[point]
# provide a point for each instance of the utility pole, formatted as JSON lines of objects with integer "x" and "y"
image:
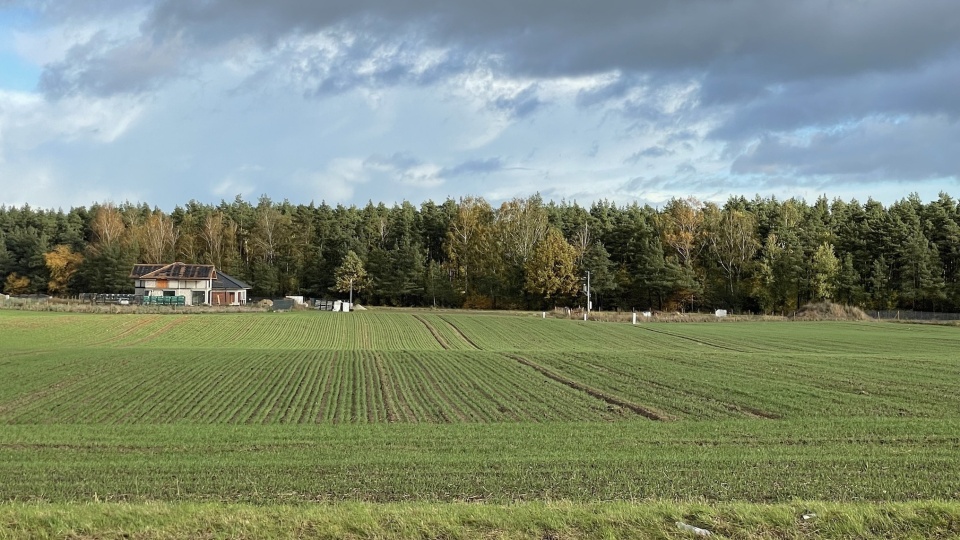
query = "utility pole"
{"x": 351, "y": 294}
{"x": 589, "y": 303}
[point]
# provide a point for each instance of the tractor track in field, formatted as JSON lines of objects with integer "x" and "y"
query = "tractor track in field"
{"x": 459, "y": 332}
{"x": 603, "y": 396}
{"x": 124, "y": 333}
{"x": 433, "y": 331}
{"x": 694, "y": 340}
{"x": 744, "y": 410}
{"x": 39, "y": 394}
{"x": 158, "y": 332}
{"x": 382, "y": 382}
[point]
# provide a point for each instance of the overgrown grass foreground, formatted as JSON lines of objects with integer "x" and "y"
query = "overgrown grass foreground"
{"x": 798, "y": 519}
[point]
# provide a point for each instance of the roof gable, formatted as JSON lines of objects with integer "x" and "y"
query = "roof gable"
{"x": 139, "y": 270}
{"x": 177, "y": 270}
{"x": 227, "y": 282}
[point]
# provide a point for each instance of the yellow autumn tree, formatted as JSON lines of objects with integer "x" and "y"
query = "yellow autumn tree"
{"x": 62, "y": 263}
{"x": 551, "y": 270}
{"x": 16, "y": 284}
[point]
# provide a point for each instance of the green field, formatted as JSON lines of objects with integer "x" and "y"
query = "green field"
{"x": 444, "y": 409}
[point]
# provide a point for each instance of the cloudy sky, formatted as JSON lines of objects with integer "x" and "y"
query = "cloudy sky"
{"x": 165, "y": 101}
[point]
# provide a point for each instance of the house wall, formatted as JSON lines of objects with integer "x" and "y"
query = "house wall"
{"x": 180, "y": 287}
{"x": 230, "y": 297}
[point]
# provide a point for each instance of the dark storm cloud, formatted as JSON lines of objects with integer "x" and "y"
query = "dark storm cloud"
{"x": 868, "y": 87}
{"x": 57, "y": 11}
{"x": 927, "y": 91}
{"x": 909, "y": 150}
{"x": 802, "y": 38}
{"x": 741, "y": 46}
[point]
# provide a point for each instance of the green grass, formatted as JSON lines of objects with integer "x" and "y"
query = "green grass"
{"x": 168, "y": 413}
{"x": 657, "y": 520}
{"x": 309, "y": 368}
{"x": 839, "y": 460}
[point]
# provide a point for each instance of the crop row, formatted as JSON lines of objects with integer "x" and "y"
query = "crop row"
{"x": 31, "y": 331}
{"x": 299, "y": 387}
{"x": 757, "y": 385}
{"x": 308, "y": 330}
{"x": 253, "y": 387}
{"x": 837, "y": 459}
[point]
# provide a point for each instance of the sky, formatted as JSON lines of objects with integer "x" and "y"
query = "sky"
{"x": 167, "y": 101}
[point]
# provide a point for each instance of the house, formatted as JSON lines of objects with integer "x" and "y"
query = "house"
{"x": 228, "y": 291}
{"x": 196, "y": 283}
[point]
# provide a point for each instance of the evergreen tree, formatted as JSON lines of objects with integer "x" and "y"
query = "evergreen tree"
{"x": 5, "y": 259}
{"x": 351, "y": 274}
{"x": 603, "y": 280}
{"x": 850, "y": 291}
{"x": 881, "y": 296}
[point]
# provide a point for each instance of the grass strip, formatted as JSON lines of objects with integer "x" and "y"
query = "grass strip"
{"x": 647, "y": 519}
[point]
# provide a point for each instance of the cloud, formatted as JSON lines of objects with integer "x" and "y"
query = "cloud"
{"x": 614, "y": 86}
{"x": 751, "y": 41}
{"x": 649, "y": 152}
{"x": 101, "y": 67}
{"x": 242, "y": 181}
{"x": 473, "y": 167}
{"x": 397, "y": 161}
{"x": 541, "y": 38}
{"x": 337, "y": 182}
{"x": 405, "y": 169}
{"x": 375, "y": 99}
{"x": 27, "y": 121}
{"x": 913, "y": 149}
{"x": 686, "y": 169}
{"x": 928, "y": 90}
{"x": 782, "y": 66}
{"x": 520, "y": 104}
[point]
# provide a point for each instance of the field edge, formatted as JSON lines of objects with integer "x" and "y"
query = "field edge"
{"x": 648, "y": 519}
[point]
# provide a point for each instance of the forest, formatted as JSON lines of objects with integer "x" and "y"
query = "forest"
{"x": 749, "y": 256}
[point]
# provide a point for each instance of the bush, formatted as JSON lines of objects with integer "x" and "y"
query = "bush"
{"x": 828, "y": 311}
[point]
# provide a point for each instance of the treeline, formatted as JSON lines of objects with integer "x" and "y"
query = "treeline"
{"x": 760, "y": 255}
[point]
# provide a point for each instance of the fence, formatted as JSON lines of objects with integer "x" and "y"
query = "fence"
{"x": 99, "y": 298}
{"x": 909, "y": 315}
{"x": 164, "y": 300}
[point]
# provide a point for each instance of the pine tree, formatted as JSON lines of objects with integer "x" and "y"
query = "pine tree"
{"x": 351, "y": 274}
